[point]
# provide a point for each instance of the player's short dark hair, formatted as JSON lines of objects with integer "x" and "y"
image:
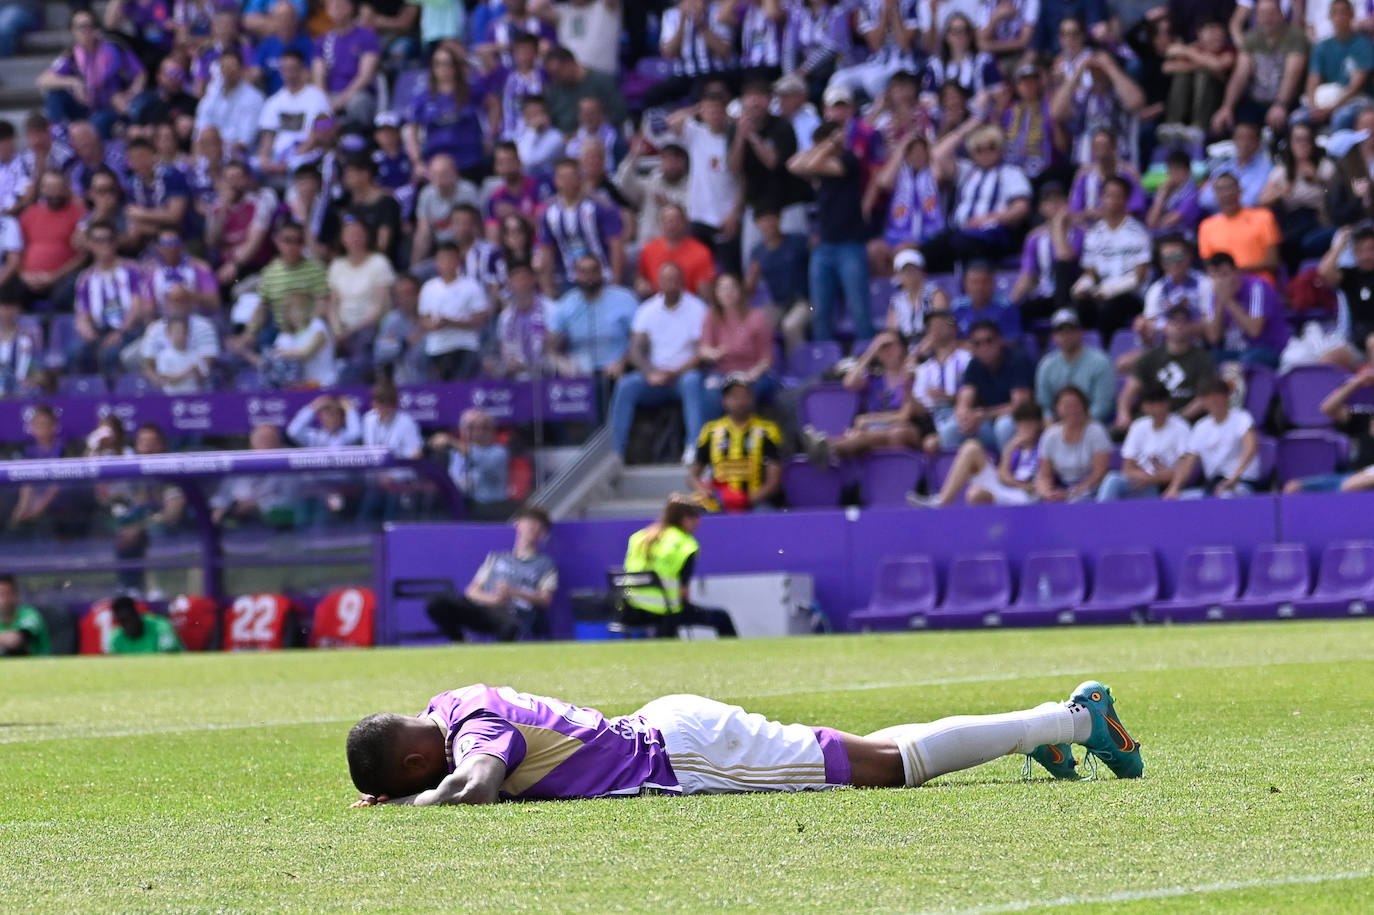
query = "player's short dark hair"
{"x": 370, "y": 747}
{"x": 1179, "y": 157}
{"x": 1221, "y": 260}
{"x": 1155, "y": 392}
{"x": 1027, "y": 412}
{"x": 535, "y": 513}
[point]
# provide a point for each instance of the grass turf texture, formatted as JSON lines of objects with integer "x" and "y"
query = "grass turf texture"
{"x": 218, "y": 781}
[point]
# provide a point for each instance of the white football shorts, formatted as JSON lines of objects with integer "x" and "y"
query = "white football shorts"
{"x": 716, "y": 748}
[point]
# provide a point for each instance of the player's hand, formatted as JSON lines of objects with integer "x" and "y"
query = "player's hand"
{"x": 369, "y": 800}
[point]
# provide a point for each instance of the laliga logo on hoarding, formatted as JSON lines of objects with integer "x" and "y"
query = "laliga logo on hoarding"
{"x": 125, "y": 411}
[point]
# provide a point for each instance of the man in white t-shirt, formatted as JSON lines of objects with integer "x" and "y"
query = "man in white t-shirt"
{"x": 1154, "y": 447}
{"x": 453, "y": 311}
{"x": 714, "y": 201}
{"x": 288, "y": 116}
{"x": 1116, "y": 257}
{"x": 663, "y": 351}
{"x": 202, "y": 336}
{"x": 1226, "y": 443}
{"x": 591, "y": 30}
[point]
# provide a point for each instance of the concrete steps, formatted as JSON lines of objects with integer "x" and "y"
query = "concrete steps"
{"x": 637, "y": 492}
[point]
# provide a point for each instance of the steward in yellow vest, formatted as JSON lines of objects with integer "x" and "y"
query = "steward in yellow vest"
{"x": 669, "y": 548}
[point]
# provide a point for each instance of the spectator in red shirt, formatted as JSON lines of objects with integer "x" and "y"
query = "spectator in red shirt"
{"x": 675, "y": 246}
{"x": 51, "y": 259}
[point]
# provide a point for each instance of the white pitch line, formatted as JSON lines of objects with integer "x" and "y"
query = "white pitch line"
{"x": 1167, "y": 892}
{"x": 82, "y": 732}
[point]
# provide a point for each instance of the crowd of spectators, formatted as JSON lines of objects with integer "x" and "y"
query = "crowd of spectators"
{"x": 289, "y": 194}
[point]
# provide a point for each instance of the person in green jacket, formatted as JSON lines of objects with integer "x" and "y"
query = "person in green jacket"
{"x": 23, "y": 630}
{"x": 139, "y": 633}
{"x": 669, "y": 548}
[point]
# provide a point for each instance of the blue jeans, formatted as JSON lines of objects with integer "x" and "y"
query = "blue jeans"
{"x": 15, "y": 22}
{"x": 1115, "y": 487}
{"x": 61, "y": 107}
{"x": 840, "y": 268}
{"x": 1323, "y": 482}
{"x": 634, "y": 389}
{"x": 993, "y": 434}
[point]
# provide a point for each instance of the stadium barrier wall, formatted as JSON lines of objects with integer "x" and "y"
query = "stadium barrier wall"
{"x": 236, "y": 413}
{"x": 840, "y": 550}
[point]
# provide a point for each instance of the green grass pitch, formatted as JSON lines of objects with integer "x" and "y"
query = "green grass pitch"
{"x": 217, "y": 782}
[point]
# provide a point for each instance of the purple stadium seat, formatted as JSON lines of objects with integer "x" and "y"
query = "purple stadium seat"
{"x": 1207, "y": 577}
{"x": 1268, "y": 457}
{"x": 82, "y": 386}
{"x": 1126, "y": 582}
{"x": 1052, "y": 585}
{"x": 811, "y": 359}
{"x": 1302, "y": 391}
{"x": 1261, "y": 383}
{"x": 61, "y": 334}
{"x": 829, "y": 407}
{"x": 134, "y": 385}
{"x": 1123, "y": 342}
{"x": 977, "y": 591}
{"x": 249, "y": 380}
{"x": 1345, "y": 583}
{"x": 1308, "y": 452}
{"x": 1278, "y": 576}
{"x": 887, "y": 476}
{"x": 904, "y": 591}
{"x": 807, "y": 486}
{"x": 407, "y": 87}
{"x": 880, "y": 290}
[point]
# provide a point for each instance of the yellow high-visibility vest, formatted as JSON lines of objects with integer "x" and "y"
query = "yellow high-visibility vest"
{"x": 670, "y": 553}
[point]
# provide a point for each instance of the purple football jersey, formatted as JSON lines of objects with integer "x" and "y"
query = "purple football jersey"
{"x": 552, "y": 749}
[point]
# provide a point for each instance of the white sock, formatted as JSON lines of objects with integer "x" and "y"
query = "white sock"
{"x": 965, "y": 741}
{"x": 1082, "y": 722}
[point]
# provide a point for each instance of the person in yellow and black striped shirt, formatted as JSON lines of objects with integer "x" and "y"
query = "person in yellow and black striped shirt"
{"x": 741, "y": 453}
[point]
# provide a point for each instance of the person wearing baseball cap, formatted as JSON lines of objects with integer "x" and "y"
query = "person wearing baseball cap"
{"x": 915, "y": 298}
{"x": 1028, "y": 123}
{"x": 738, "y": 463}
{"x": 1072, "y": 363}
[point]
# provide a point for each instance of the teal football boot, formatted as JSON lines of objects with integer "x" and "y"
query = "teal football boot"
{"x": 1056, "y": 758}
{"x": 1109, "y": 742}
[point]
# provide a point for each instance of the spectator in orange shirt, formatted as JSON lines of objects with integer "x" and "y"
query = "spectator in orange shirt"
{"x": 1249, "y": 234}
{"x": 675, "y": 246}
{"x": 51, "y": 259}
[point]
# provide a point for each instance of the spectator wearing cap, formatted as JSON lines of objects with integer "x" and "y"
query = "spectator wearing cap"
{"x": 95, "y": 79}
{"x": 279, "y": 23}
{"x": 444, "y": 117}
{"x": 791, "y": 104}
{"x": 1111, "y": 101}
{"x": 453, "y": 310}
{"x": 1072, "y": 362}
{"x": 698, "y": 37}
{"x": 1150, "y": 457}
{"x": 915, "y": 204}
{"x": 239, "y": 226}
{"x": 839, "y": 262}
{"x": 1175, "y": 208}
{"x": 1246, "y": 321}
{"x": 1027, "y": 122}
{"x": 112, "y": 305}
{"x": 737, "y": 459}
{"x": 891, "y": 29}
{"x": 981, "y": 301}
{"x": 998, "y": 380}
{"x": 991, "y": 198}
{"x": 570, "y": 82}
{"x": 676, "y": 246}
{"x": 667, "y": 364}
{"x": 1177, "y": 362}
{"x": 736, "y": 340}
{"x": 1116, "y": 259}
{"x": 760, "y": 144}
{"x": 574, "y": 224}
{"x": 817, "y": 39}
{"x": 666, "y": 183}
{"x": 346, "y": 61}
{"x": 1249, "y": 234}
{"x": 1180, "y": 284}
{"x": 232, "y": 105}
{"x": 1269, "y": 71}
{"x": 915, "y": 298}
{"x": 859, "y": 138}
{"x": 368, "y": 202}
{"x": 288, "y": 117}
{"x": 779, "y": 267}
{"x": 1049, "y": 258}
{"x": 715, "y": 203}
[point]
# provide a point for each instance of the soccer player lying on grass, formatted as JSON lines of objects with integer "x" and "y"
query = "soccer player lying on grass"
{"x": 481, "y": 744}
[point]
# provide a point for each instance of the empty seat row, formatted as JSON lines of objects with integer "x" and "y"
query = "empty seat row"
{"x": 1126, "y": 588}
